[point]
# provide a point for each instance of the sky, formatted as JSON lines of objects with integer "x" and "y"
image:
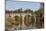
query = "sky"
{"x": 13, "y": 5}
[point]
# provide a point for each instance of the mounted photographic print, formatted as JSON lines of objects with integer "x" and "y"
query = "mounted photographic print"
{"x": 22, "y": 15}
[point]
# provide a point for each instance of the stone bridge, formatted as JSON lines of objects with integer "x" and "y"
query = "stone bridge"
{"x": 23, "y": 17}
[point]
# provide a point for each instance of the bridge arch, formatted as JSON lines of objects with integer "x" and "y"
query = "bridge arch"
{"x": 17, "y": 20}
{"x": 29, "y": 20}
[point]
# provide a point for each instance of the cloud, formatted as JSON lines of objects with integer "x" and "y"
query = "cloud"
{"x": 13, "y": 0}
{"x": 10, "y": 0}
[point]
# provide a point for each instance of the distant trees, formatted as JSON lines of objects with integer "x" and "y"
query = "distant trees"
{"x": 19, "y": 11}
{"x": 28, "y": 10}
{"x": 40, "y": 11}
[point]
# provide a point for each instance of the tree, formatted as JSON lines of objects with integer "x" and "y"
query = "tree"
{"x": 39, "y": 13}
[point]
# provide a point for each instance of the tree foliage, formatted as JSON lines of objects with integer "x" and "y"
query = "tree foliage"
{"x": 39, "y": 11}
